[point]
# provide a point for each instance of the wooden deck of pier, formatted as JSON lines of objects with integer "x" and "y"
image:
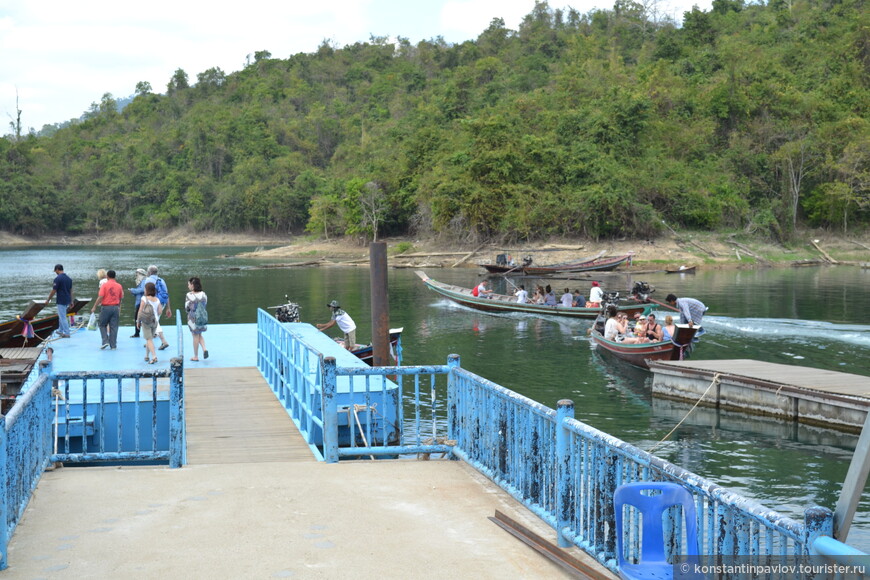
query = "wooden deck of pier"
{"x": 831, "y": 382}
{"x": 234, "y": 417}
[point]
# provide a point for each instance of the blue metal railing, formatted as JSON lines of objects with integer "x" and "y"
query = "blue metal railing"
{"x": 30, "y": 430}
{"x": 25, "y": 447}
{"x": 561, "y": 469}
{"x": 119, "y": 416}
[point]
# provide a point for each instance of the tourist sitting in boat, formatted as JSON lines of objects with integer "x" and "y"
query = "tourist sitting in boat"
{"x": 579, "y": 300}
{"x": 567, "y": 299}
{"x": 481, "y": 291}
{"x": 616, "y": 327}
{"x": 654, "y": 329}
{"x": 550, "y": 297}
{"x": 522, "y": 295}
{"x": 669, "y": 330}
{"x": 538, "y": 298}
{"x": 596, "y": 295}
{"x": 639, "y": 328}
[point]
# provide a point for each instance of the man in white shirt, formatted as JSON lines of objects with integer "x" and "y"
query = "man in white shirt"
{"x": 567, "y": 299}
{"x": 596, "y": 294}
{"x": 522, "y": 295}
{"x": 345, "y": 324}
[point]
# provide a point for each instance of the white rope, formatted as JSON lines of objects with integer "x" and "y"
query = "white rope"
{"x": 361, "y": 432}
{"x": 689, "y": 412}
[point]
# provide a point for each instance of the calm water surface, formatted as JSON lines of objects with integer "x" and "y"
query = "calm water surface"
{"x": 815, "y": 317}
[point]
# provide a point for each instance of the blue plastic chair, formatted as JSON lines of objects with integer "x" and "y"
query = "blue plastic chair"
{"x": 653, "y": 562}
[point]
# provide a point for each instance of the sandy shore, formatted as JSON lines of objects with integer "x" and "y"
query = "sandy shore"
{"x": 702, "y": 249}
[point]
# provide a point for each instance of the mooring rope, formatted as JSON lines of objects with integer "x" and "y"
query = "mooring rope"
{"x": 689, "y": 412}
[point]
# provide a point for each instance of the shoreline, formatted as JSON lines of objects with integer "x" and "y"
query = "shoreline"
{"x": 702, "y": 249}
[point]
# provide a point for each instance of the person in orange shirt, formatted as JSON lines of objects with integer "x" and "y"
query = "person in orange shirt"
{"x": 109, "y": 301}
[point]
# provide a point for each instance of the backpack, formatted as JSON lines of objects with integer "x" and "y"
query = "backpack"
{"x": 146, "y": 314}
{"x": 200, "y": 314}
{"x": 475, "y": 291}
{"x": 162, "y": 291}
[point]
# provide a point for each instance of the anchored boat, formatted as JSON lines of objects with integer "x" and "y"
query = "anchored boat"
{"x": 27, "y": 330}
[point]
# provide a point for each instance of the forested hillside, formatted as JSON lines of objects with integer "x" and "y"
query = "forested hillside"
{"x": 748, "y": 117}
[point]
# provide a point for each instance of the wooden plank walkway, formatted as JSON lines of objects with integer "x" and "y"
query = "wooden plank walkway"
{"x": 832, "y": 382}
{"x": 234, "y": 417}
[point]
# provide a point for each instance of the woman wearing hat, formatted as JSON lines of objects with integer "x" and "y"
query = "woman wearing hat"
{"x": 596, "y": 295}
{"x": 138, "y": 292}
{"x": 345, "y": 324}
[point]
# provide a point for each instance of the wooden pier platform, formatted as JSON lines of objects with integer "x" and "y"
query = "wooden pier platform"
{"x": 813, "y": 396}
{"x": 233, "y": 417}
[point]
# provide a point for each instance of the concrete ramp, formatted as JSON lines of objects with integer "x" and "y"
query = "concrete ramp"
{"x": 234, "y": 417}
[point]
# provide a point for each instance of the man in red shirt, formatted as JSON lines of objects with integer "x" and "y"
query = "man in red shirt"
{"x": 109, "y": 301}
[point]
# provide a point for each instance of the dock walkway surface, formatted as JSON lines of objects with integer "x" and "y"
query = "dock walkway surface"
{"x": 254, "y": 503}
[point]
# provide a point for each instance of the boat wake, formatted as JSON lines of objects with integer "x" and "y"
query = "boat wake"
{"x": 802, "y": 331}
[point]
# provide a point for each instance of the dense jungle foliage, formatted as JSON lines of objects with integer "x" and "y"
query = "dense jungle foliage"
{"x": 605, "y": 124}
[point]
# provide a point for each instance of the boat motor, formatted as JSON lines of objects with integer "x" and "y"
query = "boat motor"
{"x": 288, "y": 312}
{"x": 641, "y": 291}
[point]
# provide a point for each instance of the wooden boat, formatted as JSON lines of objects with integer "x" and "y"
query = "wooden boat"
{"x": 639, "y": 355}
{"x": 504, "y": 303}
{"x": 502, "y": 269}
{"x": 13, "y": 333}
{"x": 365, "y": 352}
{"x": 604, "y": 264}
{"x": 681, "y": 270}
{"x": 503, "y": 265}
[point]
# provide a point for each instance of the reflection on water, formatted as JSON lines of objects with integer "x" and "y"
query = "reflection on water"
{"x": 808, "y": 316}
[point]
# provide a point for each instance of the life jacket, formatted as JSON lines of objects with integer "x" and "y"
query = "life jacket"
{"x": 475, "y": 291}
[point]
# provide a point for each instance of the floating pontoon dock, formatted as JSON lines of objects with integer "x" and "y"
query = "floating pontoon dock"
{"x": 813, "y": 396}
{"x": 252, "y": 502}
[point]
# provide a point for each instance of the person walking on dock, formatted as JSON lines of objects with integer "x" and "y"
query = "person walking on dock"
{"x": 62, "y": 286}
{"x": 138, "y": 292}
{"x": 345, "y": 324}
{"x": 109, "y": 302}
{"x": 197, "y": 316}
{"x": 691, "y": 310}
{"x": 147, "y": 316}
{"x": 163, "y": 296}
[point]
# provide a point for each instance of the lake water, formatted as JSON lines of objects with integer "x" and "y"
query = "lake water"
{"x": 815, "y": 317}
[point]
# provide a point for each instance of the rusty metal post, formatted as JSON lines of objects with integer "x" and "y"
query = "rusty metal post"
{"x": 380, "y": 305}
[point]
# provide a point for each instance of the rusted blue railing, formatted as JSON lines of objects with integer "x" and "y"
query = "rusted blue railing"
{"x": 128, "y": 415}
{"x": 25, "y": 448}
{"x": 561, "y": 469}
{"x": 566, "y": 472}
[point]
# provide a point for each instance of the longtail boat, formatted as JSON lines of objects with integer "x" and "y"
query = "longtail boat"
{"x": 27, "y": 330}
{"x": 604, "y": 264}
{"x": 640, "y": 354}
{"x": 505, "y": 303}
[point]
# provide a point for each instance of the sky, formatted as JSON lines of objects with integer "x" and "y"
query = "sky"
{"x": 57, "y": 57}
